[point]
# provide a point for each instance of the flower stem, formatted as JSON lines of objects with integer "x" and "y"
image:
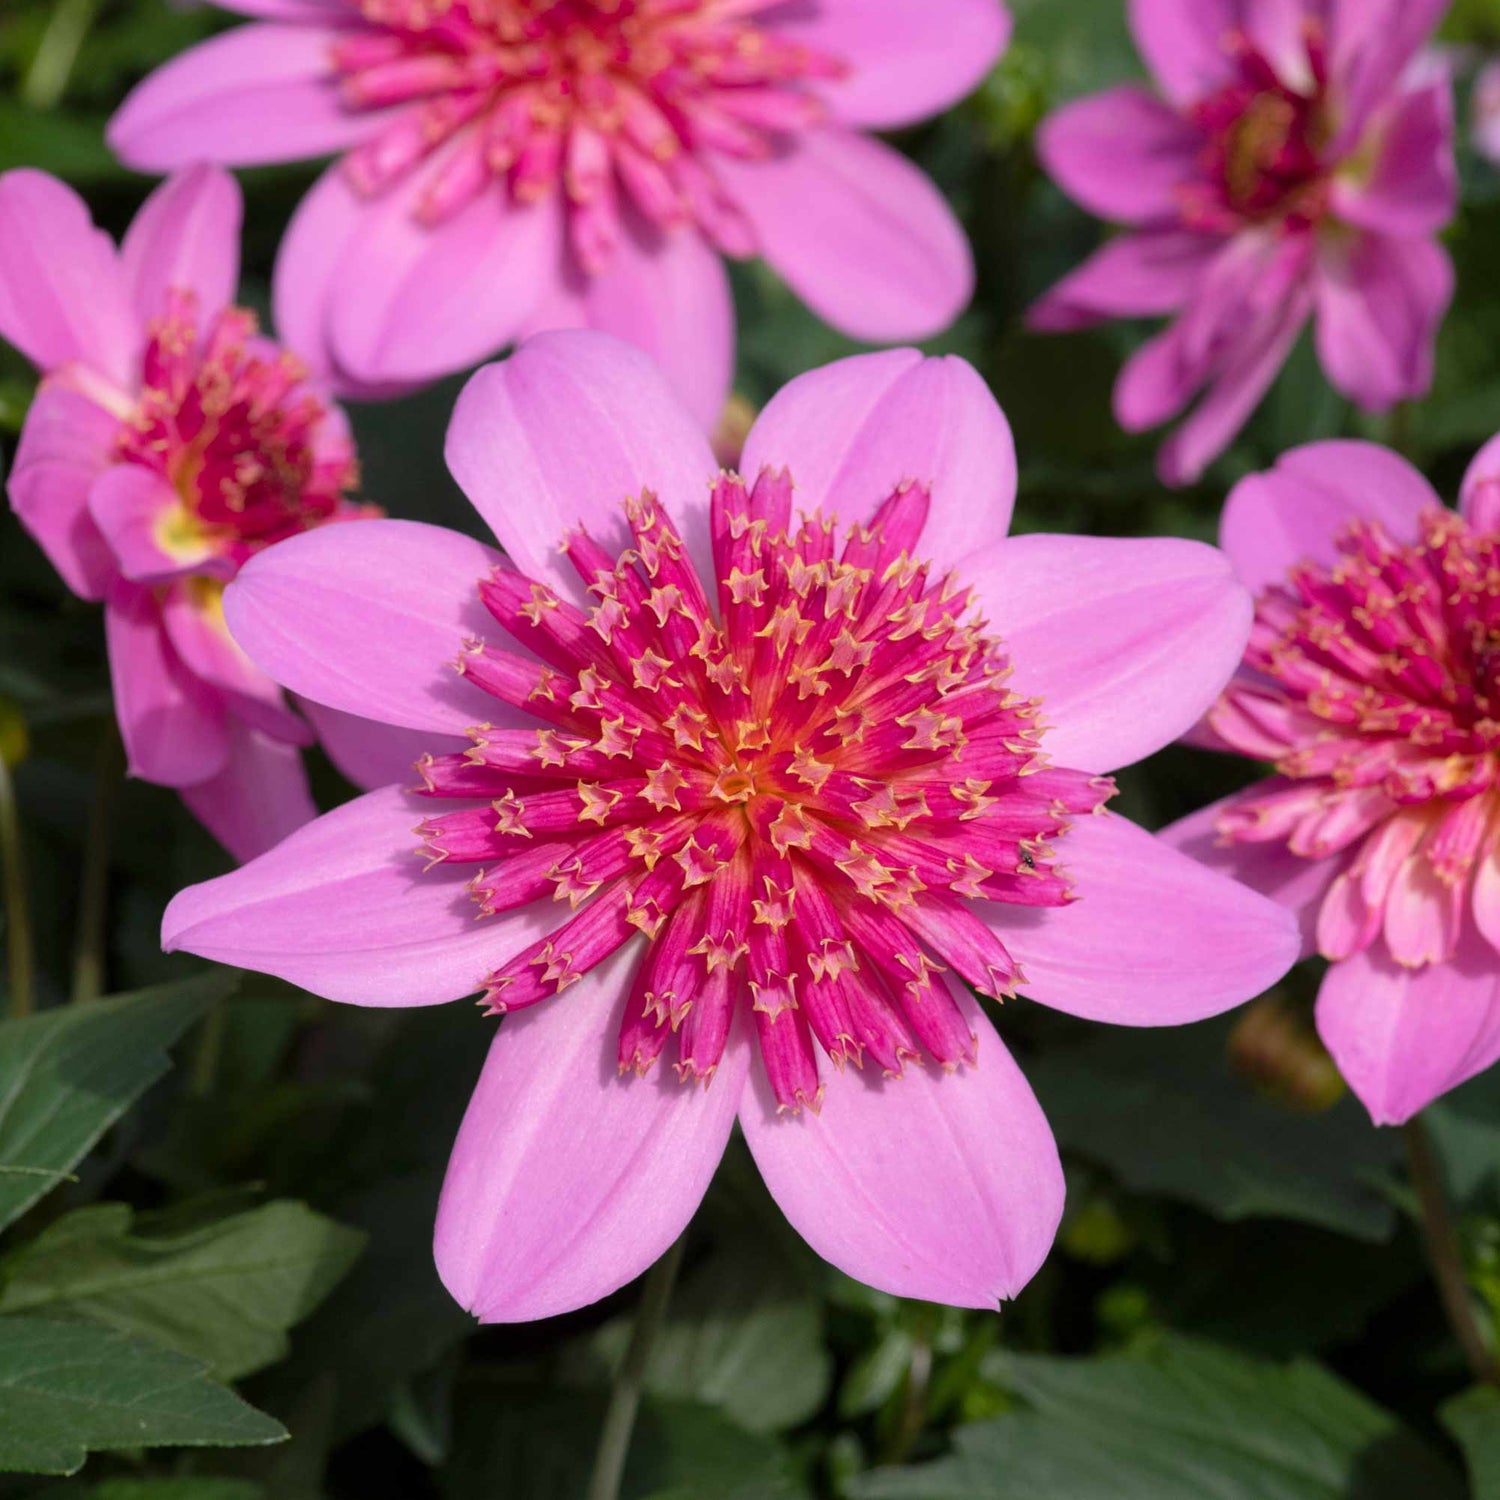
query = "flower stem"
{"x": 625, "y": 1398}
{"x": 51, "y": 67}
{"x": 17, "y": 913}
{"x": 88, "y": 953}
{"x": 1444, "y": 1255}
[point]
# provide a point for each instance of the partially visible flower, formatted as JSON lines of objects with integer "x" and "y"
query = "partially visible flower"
{"x": 715, "y": 779}
{"x": 1297, "y": 164}
{"x": 516, "y": 165}
{"x": 1486, "y": 110}
{"x": 1372, "y": 686}
{"x": 169, "y": 443}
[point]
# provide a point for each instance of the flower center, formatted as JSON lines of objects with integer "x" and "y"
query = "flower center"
{"x": 225, "y": 417}
{"x": 1376, "y": 696}
{"x": 1262, "y": 160}
{"x": 614, "y": 101}
{"x": 797, "y": 799}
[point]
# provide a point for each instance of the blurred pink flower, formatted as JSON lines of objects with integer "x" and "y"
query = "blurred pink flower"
{"x": 1372, "y": 685}
{"x": 789, "y": 787}
{"x": 1486, "y": 110}
{"x": 516, "y": 165}
{"x": 168, "y": 443}
{"x": 1297, "y": 163}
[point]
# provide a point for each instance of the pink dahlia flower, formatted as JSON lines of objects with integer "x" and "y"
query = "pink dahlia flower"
{"x": 726, "y": 806}
{"x": 1372, "y": 685}
{"x": 168, "y": 444}
{"x": 1296, "y": 163}
{"x": 515, "y": 165}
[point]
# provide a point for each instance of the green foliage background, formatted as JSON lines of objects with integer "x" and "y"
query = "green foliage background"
{"x": 211, "y": 1180}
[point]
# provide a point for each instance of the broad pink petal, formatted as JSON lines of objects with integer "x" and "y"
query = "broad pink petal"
{"x": 346, "y": 908}
{"x": 668, "y": 293}
{"x": 62, "y": 297}
{"x": 567, "y": 1180}
{"x": 185, "y": 238}
{"x": 1153, "y": 939}
{"x": 172, "y": 725}
{"x": 1479, "y": 499}
{"x": 1380, "y": 301}
{"x": 259, "y": 797}
{"x": 1121, "y": 154}
{"x": 371, "y": 754}
{"x": 1127, "y": 642}
{"x": 1139, "y": 275}
{"x": 941, "y": 1186}
{"x": 65, "y": 445}
{"x": 858, "y": 233}
{"x": 1295, "y": 883}
{"x": 854, "y": 430}
{"x": 369, "y": 618}
{"x": 128, "y": 502}
{"x": 260, "y": 93}
{"x": 561, "y": 433}
{"x": 906, "y": 59}
{"x": 1413, "y": 188}
{"x": 1296, "y": 511}
{"x": 1183, "y": 43}
{"x": 1371, "y": 42}
{"x": 1403, "y": 1037}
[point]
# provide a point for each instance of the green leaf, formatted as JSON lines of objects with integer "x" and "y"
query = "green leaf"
{"x": 69, "y": 1388}
{"x": 1474, "y": 1419}
{"x": 1166, "y": 1114}
{"x": 175, "y": 1489}
{"x": 68, "y": 1074}
{"x": 1176, "y": 1421}
{"x": 225, "y": 1292}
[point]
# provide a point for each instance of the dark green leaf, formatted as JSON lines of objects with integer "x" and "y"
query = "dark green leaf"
{"x": 175, "y": 1489}
{"x": 69, "y": 1388}
{"x": 68, "y": 1074}
{"x": 1474, "y": 1419}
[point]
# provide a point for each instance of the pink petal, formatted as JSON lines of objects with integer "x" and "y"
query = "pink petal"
{"x": 259, "y": 93}
{"x": 369, "y": 618}
{"x": 371, "y": 754}
{"x": 1380, "y": 302}
{"x": 558, "y": 436}
{"x": 289, "y": 10}
{"x": 1479, "y": 499}
{"x": 1413, "y": 188}
{"x": 567, "y": 1180}
{"x": 858, "y": 233}
{"x": 1295, "y": 883}
{"x": 65, "y": 445}
{"x": 1403, "y": 1037}
{"x": 1126, "y": 642}
{"x": 172, "y": 725}
{"x": 1139, "y": 275}
{"x": 1121, "y": 154}
{"x": 1154, "y": 938}
{"x": 906, "y": 59}
{"x": 345, "y": 908}
{"x": 854, "y": 430}
{"x": 667, "y": 293}
{"x": 259, "y": 797}
{"x": 408, "y": 302}
{"x": 128, "y": 503}
{"x": 185, "y": 238}
{"x": 1371, "y": 42}
{"x": 1183, "y": 43}
{"x": 62, "y": 297}
{"x": 941, "y": 1186}
{"x": 1295, "y": 512}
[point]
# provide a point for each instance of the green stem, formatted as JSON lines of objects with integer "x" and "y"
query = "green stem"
{"x": 1444, "y": 1255}
{"x": 17, "y": 912}
{"x": 210, "y": 1047}
{"x": 625, "y": 1398}
{"x": 93, "y": 884}
{"x": 47, "y": 78}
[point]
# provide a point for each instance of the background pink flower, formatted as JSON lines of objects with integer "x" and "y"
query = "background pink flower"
{"x": 791, "y": 788}
{"x": 513, "y": 165}
{"x": 168, "y": 443}
{"x": 1294, "y": 163}
{"x": 1372, "y": 685}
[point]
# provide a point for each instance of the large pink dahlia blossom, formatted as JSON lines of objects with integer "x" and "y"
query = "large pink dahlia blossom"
{"x": 168, "y": 443}
{"x": 515, "y": 165}
{"x": 730, "y": 797}
{"x": 1296, "y": 163}
{"x": 1372, "y": 685}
